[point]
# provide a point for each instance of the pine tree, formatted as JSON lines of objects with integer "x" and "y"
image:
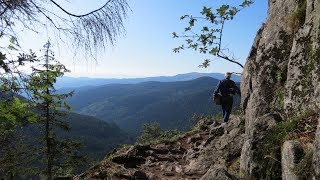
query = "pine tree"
{"x": 60, "y": 156}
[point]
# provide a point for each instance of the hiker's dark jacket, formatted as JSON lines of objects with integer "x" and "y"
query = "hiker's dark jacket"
{"x": 227, "y": 88}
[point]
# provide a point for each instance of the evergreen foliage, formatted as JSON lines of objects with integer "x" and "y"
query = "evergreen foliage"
{"x": 16, "y": 156}
{"x": 60, "y": 156}
{"x": 90, "y": 31}
{"x": 97, "y": 137}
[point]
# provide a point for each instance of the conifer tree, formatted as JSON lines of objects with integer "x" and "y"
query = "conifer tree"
{"x": 60, "y": 156}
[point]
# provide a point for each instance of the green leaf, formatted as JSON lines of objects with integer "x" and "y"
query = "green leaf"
{"x": 206, "y": 11}
{"x": 246, "y": 3}
{"x": 222, "y": 10}
{"x": 183, "y": 17}
{"x": 205, "y": 28}
{"x": 187, "y": 29}
{"x": 214, "y": 51}
{"x": 12, "y": 47}
{"x": 205, "y": 64}
{"x": 192, "y": 21}
{"x": 175, "y": 35}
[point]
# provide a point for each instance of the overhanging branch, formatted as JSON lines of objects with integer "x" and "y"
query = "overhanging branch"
{"x": 82, "y": 15}
{"x": 219, "y": 47}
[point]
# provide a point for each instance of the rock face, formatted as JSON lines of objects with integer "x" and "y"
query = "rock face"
{"x": 250, "y": 151}
{"x": 282, "y": 73}
{"x": 198, "y": 155}
{"x": 218, "y": 173}
{"x": 316, "y": 155}
{"x": 292, "y": 153}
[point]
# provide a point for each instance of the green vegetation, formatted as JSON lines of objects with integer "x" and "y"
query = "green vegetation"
{"x": 278, "y": 104}
{"x": 23, "y": 150}
{"x": 200, "y": 121}
{"x": 153, "y": 134}
{"x": 269, "y": 147}
{"x": 14, "y": 113}
{"x": 207, "y": 39}
{"x": 60, "y": 157}
{"x": 281, "y": 74}
{"x": 312, "y": 55}
{"x": 279, "y": 93}
{"x": 96, "y": 136}
{"x": 19, "y": 153}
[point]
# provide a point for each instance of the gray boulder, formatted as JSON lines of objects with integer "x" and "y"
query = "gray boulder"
{"x": 292, "y": 153}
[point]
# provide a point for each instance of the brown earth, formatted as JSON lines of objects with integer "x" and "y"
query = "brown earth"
{"x": 192, "y": 156}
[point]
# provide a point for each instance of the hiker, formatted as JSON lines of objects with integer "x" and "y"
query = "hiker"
{"x": 226, "y": 89}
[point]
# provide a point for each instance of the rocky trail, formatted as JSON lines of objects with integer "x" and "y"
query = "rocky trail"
{"x": 213, "y": 151}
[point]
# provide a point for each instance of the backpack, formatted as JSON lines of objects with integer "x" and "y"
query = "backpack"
{"x": 217, "y": 99}
{"x": 227, "y": 87}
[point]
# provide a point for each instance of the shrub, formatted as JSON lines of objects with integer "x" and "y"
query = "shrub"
{"x": 269, "y": 148}
{"x": 152, "y": 134}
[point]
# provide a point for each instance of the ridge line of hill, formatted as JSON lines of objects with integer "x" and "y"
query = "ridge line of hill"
{"x": 87, "y": 81}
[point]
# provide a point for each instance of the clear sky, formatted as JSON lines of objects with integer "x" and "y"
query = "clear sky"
{"x": 146, "y": 48}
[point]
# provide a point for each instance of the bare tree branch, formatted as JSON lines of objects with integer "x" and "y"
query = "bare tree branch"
{"x": 91, "y": 31}
{"x": 219, "y": 47}
{"x": 83, "y": 15}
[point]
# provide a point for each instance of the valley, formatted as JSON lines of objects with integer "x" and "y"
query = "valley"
{"x": 171, "y": 104}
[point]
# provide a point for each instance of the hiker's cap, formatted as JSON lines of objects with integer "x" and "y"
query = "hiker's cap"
{"x": 228, "y": 75}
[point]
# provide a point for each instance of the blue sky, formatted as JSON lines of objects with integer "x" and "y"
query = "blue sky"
{"x": 146, "y": 48}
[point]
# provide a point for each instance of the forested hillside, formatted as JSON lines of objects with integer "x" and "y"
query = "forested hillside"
{"x": 172, "y": 104}
{"x": 97, "y": 137}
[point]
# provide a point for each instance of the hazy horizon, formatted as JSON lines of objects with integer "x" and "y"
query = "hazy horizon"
{"x": 132, "y": 77}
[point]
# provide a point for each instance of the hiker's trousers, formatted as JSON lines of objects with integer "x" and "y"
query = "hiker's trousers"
{"x": 226, "y": 104}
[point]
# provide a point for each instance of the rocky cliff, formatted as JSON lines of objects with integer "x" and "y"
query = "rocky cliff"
{"x": 280, "y": 134}
{"x": 281, "y": 86}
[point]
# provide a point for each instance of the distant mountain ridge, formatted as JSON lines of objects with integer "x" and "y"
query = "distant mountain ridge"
{"x": 172, "y": 104}
{"x": 66, "y": 82}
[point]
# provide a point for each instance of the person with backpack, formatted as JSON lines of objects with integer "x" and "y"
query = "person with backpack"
{"x": 226, "y": 89}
